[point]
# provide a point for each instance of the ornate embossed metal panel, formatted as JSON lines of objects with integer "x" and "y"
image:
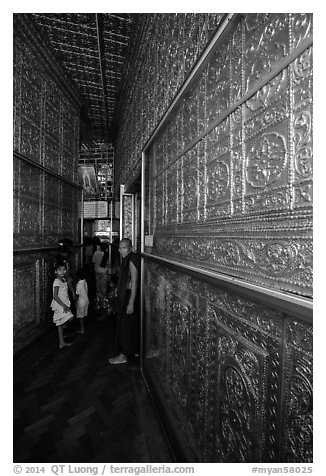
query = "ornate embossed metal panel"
{"x": 235, "y": 374}
{"x": 230, "y": 191}
{"x": 46, "y": 135}
{"x": 298, "y": 395}
{"x": 127, "y": 216}
{"x": 232, "y": 152}
{"x": 171, "y": 45}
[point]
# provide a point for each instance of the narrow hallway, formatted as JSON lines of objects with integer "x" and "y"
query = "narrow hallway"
{"x": 70, "y": 405}
{"x": 188, "y": 137}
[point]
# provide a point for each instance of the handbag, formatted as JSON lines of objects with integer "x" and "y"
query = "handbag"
{"x": 104, "y": 260}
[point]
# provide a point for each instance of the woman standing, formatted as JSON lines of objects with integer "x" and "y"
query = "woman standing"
{"x": 127, "y": 338}
{"x": 100, "y": 260}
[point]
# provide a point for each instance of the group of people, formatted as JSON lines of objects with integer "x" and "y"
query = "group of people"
{"x": 121, "y": 287}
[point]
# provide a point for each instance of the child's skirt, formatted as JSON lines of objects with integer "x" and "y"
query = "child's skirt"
{"x": 82, "y": 311}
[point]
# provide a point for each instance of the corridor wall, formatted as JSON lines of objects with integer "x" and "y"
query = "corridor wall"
{"x": 228, "y": 203}
{"x": 46, "y": 194}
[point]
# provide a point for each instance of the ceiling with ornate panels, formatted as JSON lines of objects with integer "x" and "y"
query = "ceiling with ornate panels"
{"x": 93, "y": 49}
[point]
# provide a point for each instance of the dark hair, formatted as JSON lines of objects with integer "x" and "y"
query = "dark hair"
{"x": 81, "y": 273}
{"x": 96, "y": 241}
{"x": 65, "y": 245}
{"x": 59, "y": 263}
{"x": 103, "y": 246}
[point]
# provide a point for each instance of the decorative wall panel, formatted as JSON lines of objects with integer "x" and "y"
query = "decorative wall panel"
{"x": 298, "y": 401}
{"x": 229, "y": 190}
{"x": 237, "y": 148}
{"x": 46, "y": 139}
{"x": 171, "y": 44}
{"x": 301, "y": 76}
{"x": 235, "y": 374}
{"x": 127, "y": 216}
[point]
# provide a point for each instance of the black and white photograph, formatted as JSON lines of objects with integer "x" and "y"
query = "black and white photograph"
{"x": 162, "y": 240}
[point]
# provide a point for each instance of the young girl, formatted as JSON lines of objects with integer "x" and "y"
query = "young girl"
{"x": 83, "y": 301}
{"x": 60, "y": 303}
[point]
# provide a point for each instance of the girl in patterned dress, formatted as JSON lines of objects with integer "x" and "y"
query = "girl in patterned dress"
{"x": 60, "y": 303}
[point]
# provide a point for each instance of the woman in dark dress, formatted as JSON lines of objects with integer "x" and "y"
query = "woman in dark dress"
{"x": 127, "y": 332}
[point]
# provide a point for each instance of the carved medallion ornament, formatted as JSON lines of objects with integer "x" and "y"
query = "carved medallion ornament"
{"x": 218, "y": 180}
{"x": 266, "y": 160}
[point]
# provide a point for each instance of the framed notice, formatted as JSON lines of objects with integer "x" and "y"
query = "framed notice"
{"x": 96, "y": 209}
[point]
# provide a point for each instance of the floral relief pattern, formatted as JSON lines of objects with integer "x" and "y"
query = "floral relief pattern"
{"x": 255, "y": 162}
{"x": 266, "y": 160}
{"x": 224, "y": 355}
{"x": 45, "y": 210}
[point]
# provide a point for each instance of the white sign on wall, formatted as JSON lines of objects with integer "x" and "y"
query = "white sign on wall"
{"x": 96, "y": 209}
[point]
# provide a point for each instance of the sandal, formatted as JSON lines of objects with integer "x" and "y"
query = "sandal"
{"x": 120, "y": 359}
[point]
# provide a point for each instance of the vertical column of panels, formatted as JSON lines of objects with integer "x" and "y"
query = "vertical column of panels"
{"x": 127, "y": 216}
{"x": 69, "y": 211}
{"x": 33, "y": 276}
{"x": 28, "y": 105}
{"x": 28, "y": 205}
{"x": 298, "y": 382}
{"x": 45, "y": 122}
{"x": 172, "y": 44}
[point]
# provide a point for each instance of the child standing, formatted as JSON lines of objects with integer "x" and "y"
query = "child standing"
{"x": 60, "y": 303}
{"x": 83, "y": 301}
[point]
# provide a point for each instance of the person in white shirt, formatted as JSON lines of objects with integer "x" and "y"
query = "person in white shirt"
{"x": 83, "y": 301}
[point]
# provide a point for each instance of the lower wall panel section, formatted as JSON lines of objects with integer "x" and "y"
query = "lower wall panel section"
{"x": 32, "y": 294}
{"x": 234, "y": 376}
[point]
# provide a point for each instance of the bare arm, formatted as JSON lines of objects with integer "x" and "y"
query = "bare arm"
{"x": 134, "y": 281}
{"x": 70, "y": 287}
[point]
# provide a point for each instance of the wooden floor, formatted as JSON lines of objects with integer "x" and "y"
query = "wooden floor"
{"x": 71, "y": 405}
